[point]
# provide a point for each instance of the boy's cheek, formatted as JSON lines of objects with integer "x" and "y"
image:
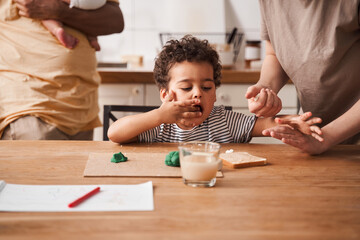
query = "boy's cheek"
{"x": 213, "y": 98}
{"x": 175, "y": 95}
{"x": 178, "y": 96}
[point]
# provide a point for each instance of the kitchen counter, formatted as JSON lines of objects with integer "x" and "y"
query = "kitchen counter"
{"x": 144, "y": 74}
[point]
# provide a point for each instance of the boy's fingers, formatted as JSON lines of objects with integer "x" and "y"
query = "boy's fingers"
{"x": 314, "y": 120}
{"x": 283, "y": 121}
{"x": 168, "y": 97}
{"x": 305, "y": 116}
{"x": 171, "y": 96}
{"x": 317, "y": 137}
{"x": 194, "y": 109}
{"x": 191, "y": 114}
{"x": 194, "y": 101}
{"x": 305, "y": 130}
{"x": 266, "y": 132}
{"x": 191, "y": 102}
{"x": 316, "y": 129}
{"x": 292, "y": 121}
{"x": 278, "y": 120}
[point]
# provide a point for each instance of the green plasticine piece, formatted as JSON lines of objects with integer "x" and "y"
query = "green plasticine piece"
{"x": 172, "y": 159}
{"x": 118, "y": 157}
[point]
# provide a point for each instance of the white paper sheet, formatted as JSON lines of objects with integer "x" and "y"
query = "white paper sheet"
{"x": 55, "y": 198}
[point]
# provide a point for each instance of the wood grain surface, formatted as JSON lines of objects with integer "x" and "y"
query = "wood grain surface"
{"x": 139, "y": 164}
{"x": 295, "y": 196}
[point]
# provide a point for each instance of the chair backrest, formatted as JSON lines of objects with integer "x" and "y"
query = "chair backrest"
{"x": 108, "y": 109}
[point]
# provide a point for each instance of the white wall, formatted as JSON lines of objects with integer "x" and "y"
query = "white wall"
{"x": 145, "y": 19}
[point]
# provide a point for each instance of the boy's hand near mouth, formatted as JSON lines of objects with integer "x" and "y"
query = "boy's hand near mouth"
{"x": 180, "y": 112}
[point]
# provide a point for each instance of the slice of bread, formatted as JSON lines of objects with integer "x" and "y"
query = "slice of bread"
{"x": 241, "y": 159}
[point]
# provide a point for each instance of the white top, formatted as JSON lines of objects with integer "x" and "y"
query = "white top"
{"x": 222, "y": 126}
{"x": 86, "y": 4}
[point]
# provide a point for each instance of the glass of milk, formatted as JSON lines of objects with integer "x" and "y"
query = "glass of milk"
{"x": 199, "y": 163}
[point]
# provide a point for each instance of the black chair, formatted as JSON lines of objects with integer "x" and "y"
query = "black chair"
{"x": 108, "y": 109}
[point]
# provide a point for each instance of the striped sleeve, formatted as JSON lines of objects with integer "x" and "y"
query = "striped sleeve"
{"x": 149, "y": 135}
{"x": 240, "y": 126}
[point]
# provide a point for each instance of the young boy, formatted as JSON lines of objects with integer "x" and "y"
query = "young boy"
{"x": 187, "y": 73}
{"x": 66, "y": 39}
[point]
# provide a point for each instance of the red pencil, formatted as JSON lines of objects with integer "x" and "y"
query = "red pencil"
{"x": 83, "y": 198}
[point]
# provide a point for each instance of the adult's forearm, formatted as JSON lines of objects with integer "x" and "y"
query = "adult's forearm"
{"x": 342, "y": 128}
{"x": 272, "y": 74}
{"x": 105, "y": 20}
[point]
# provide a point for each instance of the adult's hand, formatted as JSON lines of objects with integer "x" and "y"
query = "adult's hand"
{"x": 40, "y": 9}
{"x": 293, "y": 137}
{"x": 335, "y": 132}
{"x": 102, "y": 21}
{"x": 304, "y": 123}
{"x": 262, "y": 101}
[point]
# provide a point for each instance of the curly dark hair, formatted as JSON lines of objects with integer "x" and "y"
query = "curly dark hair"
{"x": 189, "y": 49}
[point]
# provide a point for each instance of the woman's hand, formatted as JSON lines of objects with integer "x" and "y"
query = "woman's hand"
{"x": 293, "y": 137}
{"x": 303, "y": 123}
{"x": 262, "y": 101}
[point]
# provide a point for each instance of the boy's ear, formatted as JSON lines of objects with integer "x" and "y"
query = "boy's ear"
{"x": 167, "y": 95}
{"x": 163, "y": 94}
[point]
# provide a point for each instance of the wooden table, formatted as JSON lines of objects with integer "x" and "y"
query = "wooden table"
{"x": 295, "y": 196}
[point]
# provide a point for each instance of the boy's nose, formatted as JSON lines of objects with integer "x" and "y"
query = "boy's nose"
{"x": 197, "y": 93}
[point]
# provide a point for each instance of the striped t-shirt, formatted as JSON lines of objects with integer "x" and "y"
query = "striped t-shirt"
{"x": 222, "y": 126}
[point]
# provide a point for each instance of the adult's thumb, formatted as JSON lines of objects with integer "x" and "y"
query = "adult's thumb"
{"x": 251, "y": 92}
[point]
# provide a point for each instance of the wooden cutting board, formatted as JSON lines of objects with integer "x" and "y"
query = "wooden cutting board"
{"x": 137, "y": 165}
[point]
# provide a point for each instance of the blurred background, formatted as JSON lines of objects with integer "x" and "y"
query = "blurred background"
{"x": 146, "y": 19}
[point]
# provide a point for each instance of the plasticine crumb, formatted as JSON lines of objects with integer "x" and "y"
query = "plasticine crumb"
{"x": 229, "y": 151}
